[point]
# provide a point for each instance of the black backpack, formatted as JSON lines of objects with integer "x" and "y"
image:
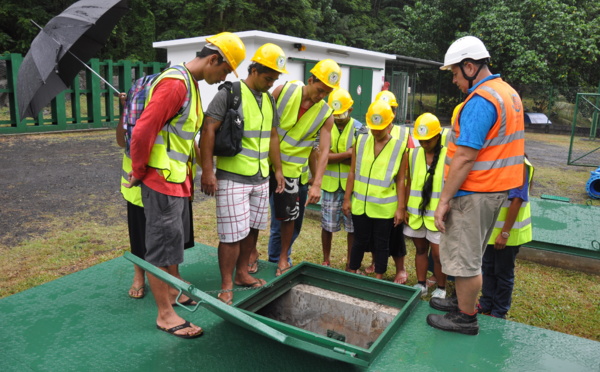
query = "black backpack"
{"x": 228, "y": 138}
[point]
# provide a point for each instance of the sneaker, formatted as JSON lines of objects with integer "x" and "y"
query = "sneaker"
{"x": 439, "y": 293}
{"x": 482, "y": 311}
{"x": 444, "y": 304}
{"x": 455, "y": 322}
{"x": 421, "y": 288}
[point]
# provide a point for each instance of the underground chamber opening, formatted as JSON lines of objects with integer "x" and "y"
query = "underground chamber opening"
{"x": 335, "y": 315}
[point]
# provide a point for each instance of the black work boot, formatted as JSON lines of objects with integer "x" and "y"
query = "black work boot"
{"x": 455, "y": 322}
{"x": 444, "y": 304}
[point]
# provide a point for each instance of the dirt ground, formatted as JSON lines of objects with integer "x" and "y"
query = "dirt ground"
{"x": 59, "y": 175}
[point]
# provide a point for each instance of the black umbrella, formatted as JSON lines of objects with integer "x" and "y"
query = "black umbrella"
{"x": 59, "y": 51}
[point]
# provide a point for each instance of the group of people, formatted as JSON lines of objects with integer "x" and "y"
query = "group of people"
{"x": 297, "y": 147}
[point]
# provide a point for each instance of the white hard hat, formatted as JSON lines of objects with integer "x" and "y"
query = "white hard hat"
{"x": 468, "y": 47}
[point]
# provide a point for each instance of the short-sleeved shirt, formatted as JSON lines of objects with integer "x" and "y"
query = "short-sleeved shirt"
{"x": 521, "y": 192}
{"x": 217, "y": 110}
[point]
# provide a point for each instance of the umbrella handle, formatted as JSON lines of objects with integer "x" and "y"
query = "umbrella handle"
{"x": 83, "y": 63}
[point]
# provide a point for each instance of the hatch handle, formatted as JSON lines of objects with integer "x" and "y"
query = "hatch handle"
{"x": 190, "y": 309}
{"x": 344, "y": 351}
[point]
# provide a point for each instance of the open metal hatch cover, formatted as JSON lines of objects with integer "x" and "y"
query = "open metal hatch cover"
{"x": 250, "y": 313}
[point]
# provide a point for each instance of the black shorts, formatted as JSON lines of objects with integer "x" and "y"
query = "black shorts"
{"x": 397, "y": 243}
{"x": 136, "y": 222}
{"x": 287, "y": 204}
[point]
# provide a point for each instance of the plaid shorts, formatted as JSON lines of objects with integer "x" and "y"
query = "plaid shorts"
{"x": 240, "y": 207}
{"x": 331, "y": 212}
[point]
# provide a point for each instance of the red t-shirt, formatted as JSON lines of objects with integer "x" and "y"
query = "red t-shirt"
{"x": 167, "y": 98}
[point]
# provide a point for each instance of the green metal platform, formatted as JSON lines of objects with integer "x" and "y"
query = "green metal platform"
{"x": 86, "y": 322}
{"x": 566, "y": 228}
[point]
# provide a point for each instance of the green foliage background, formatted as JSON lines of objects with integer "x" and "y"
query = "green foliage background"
{"x": 545, "y": 42}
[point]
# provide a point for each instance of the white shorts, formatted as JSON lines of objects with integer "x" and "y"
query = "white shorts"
{"x": 423, "y": 232}
{"x": 241, "y": 207}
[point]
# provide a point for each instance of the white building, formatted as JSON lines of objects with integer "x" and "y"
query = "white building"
{"x": 363, "y": 71}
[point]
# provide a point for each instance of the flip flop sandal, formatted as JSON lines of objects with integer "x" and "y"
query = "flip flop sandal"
{"x": 229, "y": 302}
{"x": 184, "y": 325}
{"x": 187, "y": 302}
{"x": 140, "y": 294}
{"x": 280, "y": 272}
{"x": 257, "y": 284}
{"x": 253, "y": 267}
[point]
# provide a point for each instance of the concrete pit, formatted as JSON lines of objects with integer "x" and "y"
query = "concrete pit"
{"x": 331, "y": 314}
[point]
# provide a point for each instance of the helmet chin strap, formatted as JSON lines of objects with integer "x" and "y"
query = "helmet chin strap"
{"x": 470, "y": 79}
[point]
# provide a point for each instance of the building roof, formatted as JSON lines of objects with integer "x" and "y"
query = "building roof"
{"x": 279, "y": 39}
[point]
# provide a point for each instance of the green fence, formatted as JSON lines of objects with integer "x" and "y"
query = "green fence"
{"x": 88, "y": 104}
{"x": 584, "y": 148}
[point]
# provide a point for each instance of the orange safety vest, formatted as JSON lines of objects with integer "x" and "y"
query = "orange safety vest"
{"x": 499, "y": 164}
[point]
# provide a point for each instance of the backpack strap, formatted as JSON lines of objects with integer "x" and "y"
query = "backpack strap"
{"x": 237, "y": 95}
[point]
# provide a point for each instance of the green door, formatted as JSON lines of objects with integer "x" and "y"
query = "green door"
{"x": 361, "y": 82}
{"x": 307, "y": 67}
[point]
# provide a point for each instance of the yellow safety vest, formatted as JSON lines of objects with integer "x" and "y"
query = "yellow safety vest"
{"x": 258, "y": 122}
{"x": 400, "y": 132}
{"x": 297, "y": 136}
{"x": 375, "y": 177}
{"x": 418, "y": 171}
{"x": 336, "y": 174}
{"x": 521, "y": 231}
{"x": 446, "y": 134}
{"x": 174, "y": 144}
{"x": 131, "y": 194}
{"x": 304, "y": 176}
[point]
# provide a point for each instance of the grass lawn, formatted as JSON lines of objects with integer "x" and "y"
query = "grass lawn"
{"x": 547, "y": 297}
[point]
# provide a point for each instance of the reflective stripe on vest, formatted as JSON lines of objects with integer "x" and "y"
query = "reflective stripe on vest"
{"x": 336, "y": 174}
{"x": 418, "y": 172}
{"x": 131, "y": 194}
{"x": 258, "y": 122}
{"x": 297, "y": 136}
{"x": 446, "y": 135}
{"x": 501, "y": 157}
{"x": 521, "y": 231}
{"x": 174, "y": 144}
{"x": 374, "y": 191}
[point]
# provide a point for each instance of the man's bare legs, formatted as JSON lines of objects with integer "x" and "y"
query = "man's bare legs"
{"x": 467, "y": 290}
{"x": 326, "y": 238}
{"x": 236, "y": 256}
{"x": 167, "y": 317}
{"x": 287, "y": 230}
{"x": 137, "y": 289}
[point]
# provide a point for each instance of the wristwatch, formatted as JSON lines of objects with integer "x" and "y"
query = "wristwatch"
{"x": 505, "y": 234}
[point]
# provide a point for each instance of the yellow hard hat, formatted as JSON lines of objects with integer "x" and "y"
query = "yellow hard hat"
{"x": 387, "y": 96}
{"x": 328, "y": 72}
{"x": 340, "y": 101}
{"x": 426, "y": 127}
{"x": 379, "y": 115}
{"x": 232, "y": 48}
{"x": 272, "y": 56}
{"x": 455, "y": 113}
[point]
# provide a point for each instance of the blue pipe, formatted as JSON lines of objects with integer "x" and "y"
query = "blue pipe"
{"x": 593, "y": 185}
